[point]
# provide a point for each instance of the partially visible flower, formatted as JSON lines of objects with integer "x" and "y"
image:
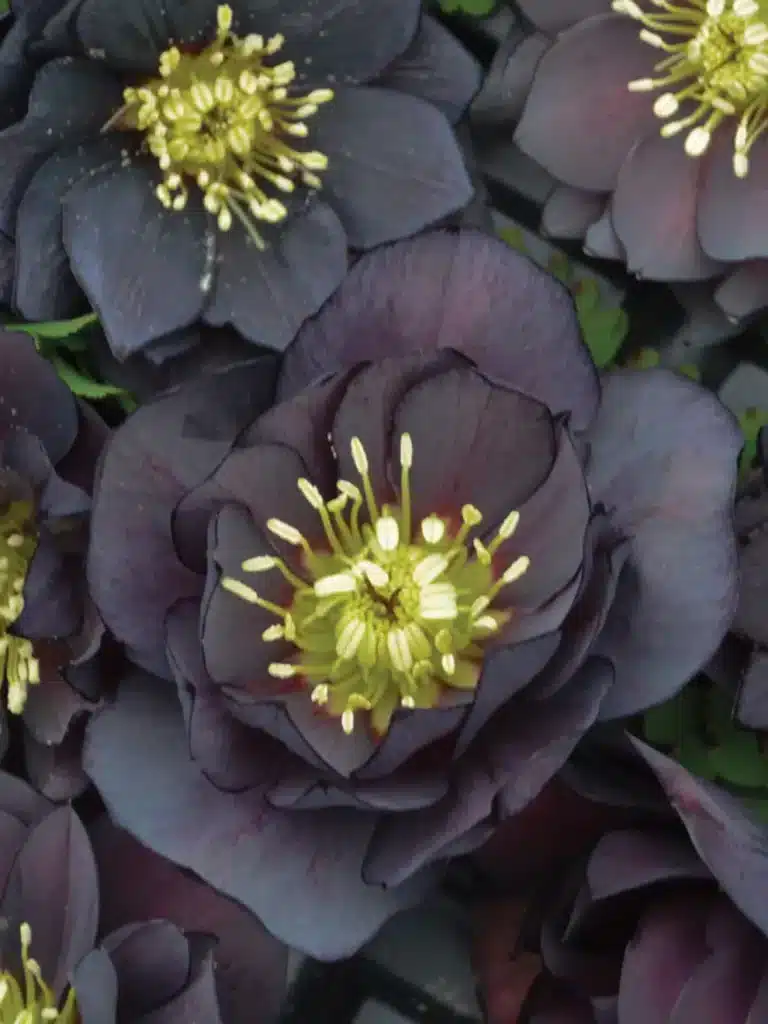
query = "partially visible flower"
{"x": 651, "y": 119}
{"x": 410, "y": 586}
{"x": 217, "y": 162}
{"x": 52, "y": 642}
{"x": 54, "y": 968}
{"x": 668, "y": 927}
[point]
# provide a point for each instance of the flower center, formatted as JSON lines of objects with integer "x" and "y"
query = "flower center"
{"x": 388, "y": 616}
{"x": 34, "y": 1003}
{"x": 717, "y": 63}
{"x": 227, "y": 118}
{"x": 17, "y": 545}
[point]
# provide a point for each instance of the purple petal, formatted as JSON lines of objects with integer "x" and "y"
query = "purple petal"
{"x": 54, "y": 888}
{"x": 581, "y": 120}
{"x": 663, "y": 457}
{"x": 752, "y": 700}
{"x": 95, "y": 981}
{"x": 165, "y": 449}
{"x": 732, "y": 219}
{"x": 569, "y": 212}
{"x": 498, "y": 105}
{"x": 518, "y": 753}
{"x": 308, "y": 890}
{"x": 602, "y": 241}
{"x": 657, "y": 227}
{"x": 464, "y": 291}
{"x": 152, "y": 961}
{"x": 556, "y": 15}
{"x": 250, "y": 963}
{"x": 745, "y": 290}
{"x": 732, "y": 844}
{"x": 721, "y": 991}
{"x": 57, "y": 770}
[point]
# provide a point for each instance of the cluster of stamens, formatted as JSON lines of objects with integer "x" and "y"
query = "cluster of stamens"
{"x": 388, "y": 615}
{"x": 227, "y": 119}
{"x": 18, "y": 664}
{"x": 32, "y": 1001}
{"x": 716, "y": 67}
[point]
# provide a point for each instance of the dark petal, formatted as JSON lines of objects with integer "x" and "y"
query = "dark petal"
{"x": 52, "y": 705}
{"x": 665, "y": 952}
{"x": 44, "y": 287}
{"x": 760, "y": 1006}
{"x": 231, "y": 754}
{"x": 52, "y": 593}
{"x": 394, "y": 166}
{"x": 198, "y": 999}
{"x": 54, "y": 888}
{"x": 551, "y": 532}
{"x": 731, "y": 216}
{"x": 745, "y": 290}
{"x": 95, "y": 981}
{"x": 231, "y": 628}
{"x": 722, "y": 990}
{"x": 505, "y": 673}
{"x": 341, "y": 42}
{"x": 152, "y": 960}
{"x": 17, "y": 68}
{"x": 20, "y": 802}
{"x": 732, "y": 843}
{"x": 367, "y": 409}
{"x": 581, "y": 120}
{"x": 473, "y": 443}
{"x": 140, "y": 265}
{"x": 657, "y": 227}
{"x": 70, "y": 101}
{"x": 409, "y": 733}
{"x": 499, "y": 104}
{"x": 33, "y": 397}
{"x": 663, "y": 458}
{"x": 267, "y": 295}
{"x": 753, "y": 577}
{"x": 308, "y": 890}
{"x": 134, "y": 572}
{"x": 466, "y": 291}
{"x": 753, "y": 694}
{"x": 436, "y": 68}
{"x": 569, "y": 212}
{"x": 342, "y": 754}
{"x": 515, "y": 756}
{"x": 602, "y": 241}
{"x": 127, "y": 38}
{"x": 250, "y": 964}
{"x": 57, "y": 770}
{"x": 556, "y": 15}
{"x": 7, "y": 263}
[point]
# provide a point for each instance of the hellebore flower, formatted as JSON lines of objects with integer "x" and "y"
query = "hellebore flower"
{"x": 668, "y": 927}
{"x": 651, "y": 117}
{"x": 216, "y": 162}
{"x": 52, "y": 643}
{"x": 394, "y": 602}
{"x": 57, "y": 963}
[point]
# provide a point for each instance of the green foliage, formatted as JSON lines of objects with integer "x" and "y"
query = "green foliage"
{"x": 604, "y": 327}
{"x": 698, "y": 729}
{"x": 475, "y": 8}
{"x": 751, "y": 422}
{"x": 647, "y": 358}
{"x": 64, "y": 343}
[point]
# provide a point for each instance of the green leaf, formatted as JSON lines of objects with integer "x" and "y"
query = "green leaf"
{"x": 55, "y": 330}
{"x": 82, "y": 385}
{"x": 514, "y": 237}
{"x": 662, "y": 725}
{"x": 604, "y": 331}
{"x": 476, "y": 8}
{"x": 644, "y": 359}
{"x": 693, "y": 754}
{"x": 751, "y": 421}
{"x": 560, "y": 267}
{"x": 738, "y": 760}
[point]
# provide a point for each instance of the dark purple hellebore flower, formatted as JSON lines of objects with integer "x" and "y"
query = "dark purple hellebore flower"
{"x": 203, "y": 161}
{"x": 651, "y": 120}
{"x": 55, "y": 953}
{"x": 665, "y": 927}
{"x": 52, "y": 644}
{"x": 393, "y": 603}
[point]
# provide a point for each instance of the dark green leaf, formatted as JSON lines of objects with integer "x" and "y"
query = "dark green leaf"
{"x": 738, "y": 760}
{"x": 55, "y": 329}
{"x": 82, "y": 385}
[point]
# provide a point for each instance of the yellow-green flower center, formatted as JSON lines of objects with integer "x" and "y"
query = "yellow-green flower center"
{"x": 227, "y": 119}
{"x": 389, "y": 615}
{"x": 716, "y": 64}
{"x": 32, "y": 1002}
{"x": 18, "y": 665}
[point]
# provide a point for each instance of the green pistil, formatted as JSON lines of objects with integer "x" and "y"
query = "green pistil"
{"x": 32, "y": 1002}
{"x": 386, "y": 617}
{"x": 716, "y": 62}
{"x": 228, "y": 120}
{"x": 18, "y": 665}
